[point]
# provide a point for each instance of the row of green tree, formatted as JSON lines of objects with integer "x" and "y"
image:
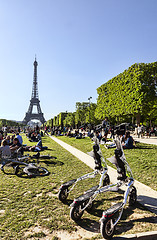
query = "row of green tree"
{"x": 84, "y": 114}
{"x": 5, "y": 122}
{"x": 131, "y": 96}
{"x": 132, "y": 93}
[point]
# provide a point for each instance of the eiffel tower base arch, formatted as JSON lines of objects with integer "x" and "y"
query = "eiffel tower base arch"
{"x": 32, "y": 116}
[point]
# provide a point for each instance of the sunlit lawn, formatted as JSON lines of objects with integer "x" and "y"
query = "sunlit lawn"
{"x": 26, "y": 203}
{"x": 142, "y": 159}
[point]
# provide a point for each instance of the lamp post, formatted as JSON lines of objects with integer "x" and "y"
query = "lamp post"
{"x": 89, "y": 99}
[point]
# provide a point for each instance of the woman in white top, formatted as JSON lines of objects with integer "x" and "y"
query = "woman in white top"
{"x": 5, "y": 149}
{"x": 139, "y": 131}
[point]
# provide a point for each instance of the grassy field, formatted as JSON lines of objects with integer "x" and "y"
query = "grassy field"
{"x": 142, "y": 159}
{"x": 30, "y": 209}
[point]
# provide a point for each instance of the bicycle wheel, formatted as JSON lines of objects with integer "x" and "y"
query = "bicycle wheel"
{"x": 18, "y": 170}
{"x": 33, "y": 171}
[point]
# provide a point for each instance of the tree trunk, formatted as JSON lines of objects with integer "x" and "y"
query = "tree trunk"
{"x": 138, "y": 118}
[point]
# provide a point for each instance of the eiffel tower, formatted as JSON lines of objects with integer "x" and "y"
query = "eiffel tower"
{"x": 30, "y": 115}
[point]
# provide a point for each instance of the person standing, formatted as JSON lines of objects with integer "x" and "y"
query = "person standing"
{"x": 5, "y": 131}
{"x": 105, "y": 127}
{"x": 139, "y": 131}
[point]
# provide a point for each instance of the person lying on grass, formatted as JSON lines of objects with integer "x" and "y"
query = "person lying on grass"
{"x": 35, "y": 148}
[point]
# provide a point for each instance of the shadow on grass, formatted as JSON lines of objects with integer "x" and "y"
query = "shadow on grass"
{"x": 123, "y": 225}
{"x": 98, "y": 212}
{"x": 150, "y": 202}
{"x": 142, "y": 147}
{"x": 68, "y": 202}
{"x": 89, "y": 225}
{"x": 57, "y": 163}
{"x": 49, "y": 149}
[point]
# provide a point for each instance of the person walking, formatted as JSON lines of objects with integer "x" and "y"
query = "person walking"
{"x": 139, "y": 131}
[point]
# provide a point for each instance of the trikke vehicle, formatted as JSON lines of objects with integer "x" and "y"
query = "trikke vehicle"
{"x": 100, "y": 168}
{"x": 111, "y": 216}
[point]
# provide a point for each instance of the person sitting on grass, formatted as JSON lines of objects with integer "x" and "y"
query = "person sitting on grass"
{"x": 8, "y": 139}
{"x": 19, "y": 138}
{"x": 5, "y": 149}
{"x": 16, "y": 147}
{"x": 129, "y": 141}
{"x": 126, "y": 140}
{"x": 5, "y": 152}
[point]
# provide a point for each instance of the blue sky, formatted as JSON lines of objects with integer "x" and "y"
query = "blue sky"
{"x": 79, "y": 45}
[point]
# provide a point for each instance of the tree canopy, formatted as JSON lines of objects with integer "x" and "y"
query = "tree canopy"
{"x": 132, "y": 92}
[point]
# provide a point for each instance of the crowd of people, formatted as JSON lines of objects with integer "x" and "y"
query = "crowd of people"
{"x": 12, "y": 144}
{"x": 141, "y": 131}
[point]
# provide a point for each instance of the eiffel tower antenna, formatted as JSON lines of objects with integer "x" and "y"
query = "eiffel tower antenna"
{"x": 34, "y": 101}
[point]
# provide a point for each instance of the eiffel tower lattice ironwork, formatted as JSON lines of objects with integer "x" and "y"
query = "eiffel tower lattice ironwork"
{"x": 30, "y": 115}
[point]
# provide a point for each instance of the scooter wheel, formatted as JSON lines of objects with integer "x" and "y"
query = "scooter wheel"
{"x": 63, "y": 194}
{"x": 106, "y": 180}
{"x": 76, "y": 213}
{"x": 90, "y": 207}
{"x": 106, "y": 228}
{"x": 132, "y": 196}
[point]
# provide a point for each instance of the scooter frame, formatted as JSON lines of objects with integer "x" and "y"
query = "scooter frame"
{"x": 104, "y": 179}
{"x": 85, "y": 201}
{"x": 111, "y": 216}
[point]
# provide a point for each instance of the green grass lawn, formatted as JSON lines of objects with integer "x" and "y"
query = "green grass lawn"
{"x": 142, "y": 159}
{"x": 26, "y": 203}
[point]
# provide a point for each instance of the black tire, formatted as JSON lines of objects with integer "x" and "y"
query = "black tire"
{"x": 19, "y": 170}
{"x": 105, "y": 228}
{"x": 63, "y": 194}
{"x": 106, "y": 180}
{"x": 90, "y": 207}
{"x": 76, "y": 213}
{"x": 34, "y": 172}
{"x": 16, "y": 168}
{"x": 132, "y": 196}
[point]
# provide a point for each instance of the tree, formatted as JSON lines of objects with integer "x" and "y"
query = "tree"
{"x": 69, "y": 120}
{"x": 9, "y": 123}
{"x": 131, "y": 93}
{"x": 90, "y": 114}
{"x": 81, "y": 109}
